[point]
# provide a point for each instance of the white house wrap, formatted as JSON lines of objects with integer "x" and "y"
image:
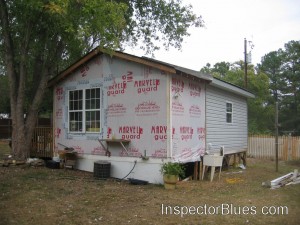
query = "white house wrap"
{"x": 159, "y": 108}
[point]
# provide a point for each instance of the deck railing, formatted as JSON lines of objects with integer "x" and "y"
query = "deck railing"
{"x": 263, "y": 146}
{"x": 42, "y": 143}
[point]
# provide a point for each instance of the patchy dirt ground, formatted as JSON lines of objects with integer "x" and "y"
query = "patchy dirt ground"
{"x": 39, "y": 195}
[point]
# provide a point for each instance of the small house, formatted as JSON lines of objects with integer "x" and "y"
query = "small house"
{"x": 136, "y": 113}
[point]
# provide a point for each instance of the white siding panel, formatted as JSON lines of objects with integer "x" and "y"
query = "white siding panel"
{"x": 233, "y": 136}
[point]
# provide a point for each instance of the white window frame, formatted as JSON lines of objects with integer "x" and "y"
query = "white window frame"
{"x": 92, "y": 110}
{"x": 76, "y": 110}
{"x": 84, "y": 111}
{"x": 229, "y": 113}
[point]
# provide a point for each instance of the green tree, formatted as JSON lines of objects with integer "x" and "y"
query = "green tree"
{"x": 261, "y": 114}
{"x": 290, "y": 104}
{"x": 206, "y": 69}
{"x": 260, "y": 118}
{"x": 283, "y": 69}
{"x": 221, "y": 68}
{"x": 236, "y": 73}
{"x": 38, "y": 38}
{"x": 271, "y": 65}
{"x": 218, "y": 70}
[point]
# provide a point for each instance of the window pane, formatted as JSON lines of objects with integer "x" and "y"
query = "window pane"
{"x": 228, "y": 117}
{"x": 88, "y": 104}
{"x": 88, "y": 94}
{"x": 228, "y": 107}
{"x": 75, "y": 124}
{"x": 75, "y": 100}
{"x": 72, "y": 116}
{"x": 80, "y": 94}
{"x": 88, "y": 116}
{"x": 75, "y": 105}
{"x": 98, "y": 104}
{"x": 75, "y": 97}
{"x": 98, "y": 115}
{"x": 71, "y": 95}
{"x": 79, "y": 105}
{"x": 92, "y": 121}
{"x": 92, "y": 98}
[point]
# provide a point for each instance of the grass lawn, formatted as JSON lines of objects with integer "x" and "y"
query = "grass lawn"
{"x": 39, "y": 195}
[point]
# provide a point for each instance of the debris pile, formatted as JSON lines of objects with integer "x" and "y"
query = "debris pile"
{"x": 234, "y": 180}
{"x": 288, "y": 179}
{"x": 8, "y": 160}
{"x": 35, "y": 162}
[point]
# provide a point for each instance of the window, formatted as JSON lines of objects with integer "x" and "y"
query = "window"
{"x": 84, "y": 110}
{"x": 228, "y": 112}
{"x": 92, "y": 107}
{"x": 75, "y": 111}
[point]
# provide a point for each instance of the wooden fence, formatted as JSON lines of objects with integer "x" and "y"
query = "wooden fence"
{"x": 263, "y": 146}
{"x": 6, "y": 126}
{"x": 42, "y": 143}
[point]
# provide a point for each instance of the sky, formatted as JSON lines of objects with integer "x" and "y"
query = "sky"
{"x": 267, "y": 24}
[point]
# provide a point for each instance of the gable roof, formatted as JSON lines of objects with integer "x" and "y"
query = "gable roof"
{"x": 166, "y": 67}
{"x": 214, "y": 82}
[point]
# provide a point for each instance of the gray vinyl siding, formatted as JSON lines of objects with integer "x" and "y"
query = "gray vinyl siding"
{"x": 234, "y": 136}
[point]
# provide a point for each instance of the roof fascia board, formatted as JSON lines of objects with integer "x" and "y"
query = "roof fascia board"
{"x": 232, "y": 88}
{"x": 73, "y": 67}
{"x": 193, "y": 73}
{"x": 182, "y": 70}
{"x": 144, "y": 62}
{"x": 120, "y": 55}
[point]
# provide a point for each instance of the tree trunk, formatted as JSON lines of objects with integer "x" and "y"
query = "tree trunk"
{"x": 23, "y": 129}
{"x": 19, "y": 150}
{"x": 17, "y": 63}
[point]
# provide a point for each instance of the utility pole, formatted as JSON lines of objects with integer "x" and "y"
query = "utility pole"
{"x": 245, "y": 60}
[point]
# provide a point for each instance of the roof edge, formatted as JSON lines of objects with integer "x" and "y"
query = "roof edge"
{"x": 143, "y": 61}
{"x": 74, "y": 66}
{"x": 62, "y": 75}
{"x": 231, "y": 87}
